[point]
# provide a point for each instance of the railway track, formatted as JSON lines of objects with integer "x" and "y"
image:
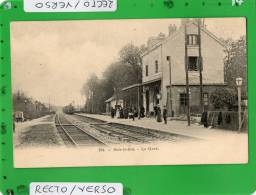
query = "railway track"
{"x": 74, "y": 135}
{"x": 129, "y": 133}
{"x": 124, "y": 135}
{"x": 109, "y": 132}
{"x": 153, "y": 134}
{"x": 121, "y": 136}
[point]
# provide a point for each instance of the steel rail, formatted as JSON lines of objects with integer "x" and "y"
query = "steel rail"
{"x": 65, "y": 131}
{"x": 135, "y": 131}
{"x": 118, "y": 132}
{"x": 89, "y": 134}
{"x": 82, "y": 130}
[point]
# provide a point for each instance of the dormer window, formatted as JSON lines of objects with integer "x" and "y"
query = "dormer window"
{"x": 156, "y": 66}
{"x": 193, "y": 39}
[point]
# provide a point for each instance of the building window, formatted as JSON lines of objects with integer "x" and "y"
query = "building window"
{"x": 156, "y": 66}
{"x": 193, "y": 63}
{"x": 206, "y": 99}
{"x": 192, "y": 39}
{"x": 183, "y": 99}
{"x": 146, "y": 70}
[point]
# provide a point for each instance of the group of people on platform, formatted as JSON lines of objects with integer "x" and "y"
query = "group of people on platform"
{"x": 133, "y": 112}
{"x": 127, "y": 112}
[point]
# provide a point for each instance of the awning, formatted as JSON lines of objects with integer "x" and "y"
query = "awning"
{"x": 110, "y": 99}
{"x": 131, "y": 87}
{"x": 151, "y": 81}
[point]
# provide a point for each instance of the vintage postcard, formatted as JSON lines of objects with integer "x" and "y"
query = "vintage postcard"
{"x": 129, "y": 92}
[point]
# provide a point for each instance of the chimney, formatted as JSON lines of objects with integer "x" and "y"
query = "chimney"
{"x": 172, "y": 29}
{"x": 184, "y": 21}
{"x": 154, "y": 40}
{"x": 200, "y": 20}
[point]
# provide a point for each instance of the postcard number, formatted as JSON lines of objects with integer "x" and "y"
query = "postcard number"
{"x": 70, "y": 5}
{"x": 237, "y": 2}
{"x": 47, "y": 188}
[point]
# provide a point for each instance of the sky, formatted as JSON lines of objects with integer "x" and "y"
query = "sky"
{"x": 52, "y": 60}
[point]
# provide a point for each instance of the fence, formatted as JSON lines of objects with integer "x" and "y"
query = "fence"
{"x": 227, "y": 120}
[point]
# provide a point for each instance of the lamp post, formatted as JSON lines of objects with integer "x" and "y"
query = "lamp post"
{"x": 239, "y": 82}
{"x": 25, "y": 102}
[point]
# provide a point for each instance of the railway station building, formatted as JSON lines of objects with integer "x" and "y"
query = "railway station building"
{"x": 127, "y": 98}
{"x": 164, "y": 73}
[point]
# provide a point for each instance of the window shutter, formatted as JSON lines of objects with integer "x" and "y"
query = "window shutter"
{"x": 197, "y": 39}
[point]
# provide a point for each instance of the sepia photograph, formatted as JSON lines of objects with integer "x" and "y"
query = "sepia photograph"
{"x": 129, "y": 92}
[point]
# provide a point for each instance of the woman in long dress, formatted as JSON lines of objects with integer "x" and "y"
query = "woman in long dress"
{"x": 118, "y": 113}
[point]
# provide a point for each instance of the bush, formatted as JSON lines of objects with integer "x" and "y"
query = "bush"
{"x": 223, "y": 97}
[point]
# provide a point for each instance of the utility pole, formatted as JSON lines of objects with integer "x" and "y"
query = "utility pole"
{"x": 200, "y": 65}
{"x": 138, "y": 101}
{"x": 239, "y": 82}
{"x": 138, "y": 91}
{"x": 170, "y": 72}
{"x": 187, "y": 81}
{"x": 138, "y": 94}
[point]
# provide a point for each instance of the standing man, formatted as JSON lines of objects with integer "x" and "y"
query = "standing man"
{"x": 165, "y": 114}
{"x": 126, "y": 112}
{"x": 142, "y": 112}
{"x": 112, "y": 112}
{"x": 204, "y": 119}
{"x": 159, "y": 115}
{"x": 132, "y": 113}
{"x": 155, "y": 111}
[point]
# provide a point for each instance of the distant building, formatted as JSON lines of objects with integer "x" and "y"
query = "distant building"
{"x": 113, "y": 102}
{"x": 156, "y": 72}
{"x": 128, "y": 98}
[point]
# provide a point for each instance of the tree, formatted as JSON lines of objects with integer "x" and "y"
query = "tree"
{"x": 90, "y": 85}
{"x": 91, "y": 91}
{"x": 236, "y": 64}
{"x": 131, "y": 56}
{"x": 29, "y": 106}
{"x": 121, "y": 73}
